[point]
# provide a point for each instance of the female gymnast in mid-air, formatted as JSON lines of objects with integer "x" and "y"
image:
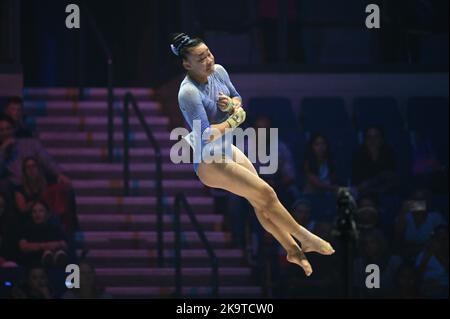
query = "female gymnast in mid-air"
{"x": 208, "y": 96}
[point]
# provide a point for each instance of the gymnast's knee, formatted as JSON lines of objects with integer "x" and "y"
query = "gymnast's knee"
{"x": 267, "y": 197}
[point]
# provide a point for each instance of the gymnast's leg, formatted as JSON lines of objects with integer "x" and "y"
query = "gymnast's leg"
{"x": 274, "y": 217}
{"x": 309, "y": 241}
{"x": 294, "y": 252}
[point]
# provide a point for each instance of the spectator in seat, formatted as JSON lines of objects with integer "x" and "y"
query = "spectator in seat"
{"x": 14, "y": 109}
{"x": 432, "y": 264}
{"x": 318, "y": 166}
{"x": 43, "y": 242}
{"x": 375, "y": 250}
{"x": 374, "y": 164}
{"x": 301, "y": 211}
{"x": 406, "y": 284}
{"x": 36, "y": 286}
{"x": 36, "y": 187}
{"x": 6, "y": 245}
{"x": 89, "y": 287}
{"x": 426, "y": 168}
{"x": 13, "y": 150}
{"x": 416, "y": 223}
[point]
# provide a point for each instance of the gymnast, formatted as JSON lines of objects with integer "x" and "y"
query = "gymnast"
{"x": 206, "y": 95}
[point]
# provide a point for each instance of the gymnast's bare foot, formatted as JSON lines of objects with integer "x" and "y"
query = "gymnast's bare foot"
{"x": 299, "y": 258}
{"x": 313, "y": 243}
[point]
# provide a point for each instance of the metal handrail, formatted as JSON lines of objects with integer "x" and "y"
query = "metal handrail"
{"x": 130, "y": 99}
{"x": 180, "y": 199}
{"x": 110, "y": 72}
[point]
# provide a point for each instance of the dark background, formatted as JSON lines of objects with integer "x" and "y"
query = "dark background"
{"x": 318, "y": 36}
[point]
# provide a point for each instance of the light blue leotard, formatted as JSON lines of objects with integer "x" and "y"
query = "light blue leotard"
{"x": 199, "y": 102}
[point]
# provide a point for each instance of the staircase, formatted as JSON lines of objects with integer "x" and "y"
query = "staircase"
{"x": 119, "y": 231}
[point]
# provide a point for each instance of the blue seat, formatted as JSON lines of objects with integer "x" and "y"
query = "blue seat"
{"x": 377, "y": 111}
{"x": 400, "y": 142}
{"x": 278, "y": 109}
{"x": 428, "y": 114}
{"x": 429, "y": 117}
{"x": 318, "y": 114}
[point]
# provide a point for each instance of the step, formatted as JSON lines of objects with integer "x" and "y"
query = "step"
{"x": 228, "y": 276}
{"x": 130, "y": 222}
{"x": 87, "y": 121}
{"x": 87, "y": 187}
{"x": 89, "y": 93}
{"x": 140, "y": 205}
{"x": 100, "y": 155}
{"x": 100, "y": 139}
{"x": 137, "y": 171}
{"x": 196, "y": 292}
{"x": 86, "y": 108}
{"x": 148, "y": 257}
{"x": 148, "y": 239}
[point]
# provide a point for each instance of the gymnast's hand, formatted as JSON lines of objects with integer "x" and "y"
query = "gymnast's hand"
{"x": 237, "y": 118}
{"x": 227, "y": 104}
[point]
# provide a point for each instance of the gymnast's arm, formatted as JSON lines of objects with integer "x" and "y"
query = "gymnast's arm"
{"x": 193, "y": 110}
{"x": 234, "y": 94}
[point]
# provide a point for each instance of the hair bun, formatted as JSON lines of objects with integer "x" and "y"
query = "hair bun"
{"x": 178, "y": 42}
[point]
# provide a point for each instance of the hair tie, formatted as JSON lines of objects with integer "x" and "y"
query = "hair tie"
{"x": 176, "y": 50}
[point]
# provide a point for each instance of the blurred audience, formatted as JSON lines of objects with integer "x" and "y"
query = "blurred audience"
{"x": 416, "y": 223}
{"x": 375, "y": 250}
{"x": 301, "y": 211}
{"x": 89, "y": 286}
{"x": 36, "y": 187}
{"x": 406, "y": 282}
{"x": 13, "y": 150}
{"x": 14, "y": 109}
{"x": 7, "y": 253}
{"x": 374, "y": 164}
{"x": 426, "y": 168}
{"x": 43, "y": 242}
{"x": 318, "y": 166}
{"x": 432, "y": 264}
{"x": 36, "y": 286}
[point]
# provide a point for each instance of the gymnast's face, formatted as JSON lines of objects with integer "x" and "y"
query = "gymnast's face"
{"x": 200, "y": 61}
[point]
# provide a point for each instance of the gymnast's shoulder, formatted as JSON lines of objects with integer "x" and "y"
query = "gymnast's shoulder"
{"x": 187, "y": 91}
{"x": 218, "y": 68}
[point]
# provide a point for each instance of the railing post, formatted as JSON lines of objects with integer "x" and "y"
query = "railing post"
{"x": 181, "y": 199}
{"x": 177, "y": 261}
{"x": 126, "y": 146}
{"x": 159, "y": 208}
{"x": 81, "y": 61}
{"x": 110, "y": 111}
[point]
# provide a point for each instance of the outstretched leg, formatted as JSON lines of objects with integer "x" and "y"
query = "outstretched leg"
{"x": 309, "y": 241}
{"x": 273, "y": 216}
{"x": 294, "y": 252}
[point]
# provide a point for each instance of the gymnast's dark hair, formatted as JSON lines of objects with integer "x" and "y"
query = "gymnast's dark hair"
{"x": 181, "y": 43}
